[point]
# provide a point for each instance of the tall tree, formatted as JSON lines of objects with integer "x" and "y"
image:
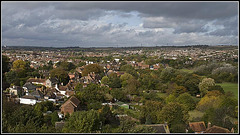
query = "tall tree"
{"x": 205, "y": 85}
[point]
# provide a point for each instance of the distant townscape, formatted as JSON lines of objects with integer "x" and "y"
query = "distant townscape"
{"x": 186, "y": 89}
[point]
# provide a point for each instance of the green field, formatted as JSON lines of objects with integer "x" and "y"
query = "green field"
{"x": 233, "y": 87}
{"x": 194, "y": 114}
{"x": 187, "y": 70}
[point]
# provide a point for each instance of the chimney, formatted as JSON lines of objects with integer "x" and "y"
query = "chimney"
{"x": 209, "y": 124}
{"x": 232, "y": 130}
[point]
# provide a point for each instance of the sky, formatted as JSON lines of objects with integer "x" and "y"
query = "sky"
{"x": 119, "y": 24}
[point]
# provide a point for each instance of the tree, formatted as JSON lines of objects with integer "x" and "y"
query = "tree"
{"x": 81, "y": 64}
{"x": 125, "y": 78}
{"x": 54, "y": 117}
{"x": 78, "y": 87}
{"x": 60, "y": 74}
{"x": 5, "y": 64}
{"x": 114, "y": 81}
{"x": 67, "y": 66}
{"x": 179, "y": 90}
{"x": 186, "y": 100}
{"x": 107, "y": 116}
{"x": 83, "y": 122}
{"x": 167, "y": 74}
{"x": 205, "y": 85}
{"x": 216, "y": 87}
{"x": 210, "y": 100}
{"x": 91, "y": 94}
{"x": 173, "y": 113}
{"x": 19, "y": 64}
{"x": 105, "y": 80}
{"x": 11, "y": 78}
{"x": 150, "y": 110}
{"x": 170, "y": 98}
{"x": 96, "y": 68}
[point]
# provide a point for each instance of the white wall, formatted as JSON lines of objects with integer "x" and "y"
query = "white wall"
{"x": 28, "y": 101}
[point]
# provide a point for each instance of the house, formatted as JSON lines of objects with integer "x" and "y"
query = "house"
{"x": 28, "y": 86}
{"x": 38, "y": 94}
{"x": 51, "y": 82}
{"x": 28, "y": 99}
{"x": 91, "y": 78}
{"x": 69, "y": 93}
{"x": 217, "y": 129}
{"x": 16, "y": 91}
{"x": 197, "y": 127}
{"x": 63, "y": 89}
{"x": 70, "y": 106}
{"x": 37, "y": 81}
{"x": 159, "y": 128}
{"x": 49, "y": 95}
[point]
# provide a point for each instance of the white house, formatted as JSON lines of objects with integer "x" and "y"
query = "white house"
{"x": 28, "y": 99}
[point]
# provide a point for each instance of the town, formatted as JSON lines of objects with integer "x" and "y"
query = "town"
{"x": 162, "y": 89}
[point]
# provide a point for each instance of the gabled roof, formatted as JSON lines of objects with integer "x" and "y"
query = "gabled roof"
{"x": 217, "y": 129}
{"x": 29, "y": 97}
{"x": 37, "y": 93}
{"x": 197, "y": 126}
{"x": 30, "y": 86}
{"x": 18, "y": 88}
{"x": 63, "y": 88}
{"x": 36, "y": 80}
{"x": 73, "y": 100}
{"x": 54, "y": 80}
{"x": 159, "y": 128}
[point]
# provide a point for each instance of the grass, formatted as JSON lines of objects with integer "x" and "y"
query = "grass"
{"x": 195, "y": 114}
{"x": 162, "y": 95}
{"x": 187, "y": 70}
{"x": 233, "y": 87}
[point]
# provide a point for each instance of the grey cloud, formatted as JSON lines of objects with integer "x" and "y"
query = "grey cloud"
{"x": 230, "y": 27}
{"x": 78, "y": 23}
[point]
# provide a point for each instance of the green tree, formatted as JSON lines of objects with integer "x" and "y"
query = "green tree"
{"x": 205, "y": 85}
{"x": 187, "y": 100}
{"x": 78, "y": 87}
{"x": 150, "y": 109}
{"x": 105, "y": 80}
{"x": 11, "y": 78}
{"x": 92, "y": 68}
{"x": 67, "y": 66}
{"x": 19, "y": 64}
{"x": 167, "y": 74}
{"x": 5, "y": 64}
{"x": 173, "y": 113}
{"x": 54, "y": 117}
{"x": 60, "y": 74}
{"x": 114, "y": 81}
{"x": 83, "y": 122}
{"x": 216, "y": 87}
{"x": 125, "y": 78}
{"x": 210, "y": 100}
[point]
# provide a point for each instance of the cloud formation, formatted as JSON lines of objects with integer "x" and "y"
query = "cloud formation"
{"x": 88, "y": 24}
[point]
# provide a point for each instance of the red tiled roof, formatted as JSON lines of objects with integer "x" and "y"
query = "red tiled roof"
{"x": 36, "y": 80}
{"x": 217, "y": 129}
{"x": 197, "y": 126}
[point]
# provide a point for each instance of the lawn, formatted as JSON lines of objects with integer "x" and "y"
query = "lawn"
{"x": 162, "y": 95}
{"x": 187, "y": 70}
{"x": 195, "y": 114}
{"x": 233, "y": 87}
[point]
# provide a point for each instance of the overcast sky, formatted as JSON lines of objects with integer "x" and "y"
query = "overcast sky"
{"x": 122, "y": 24}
